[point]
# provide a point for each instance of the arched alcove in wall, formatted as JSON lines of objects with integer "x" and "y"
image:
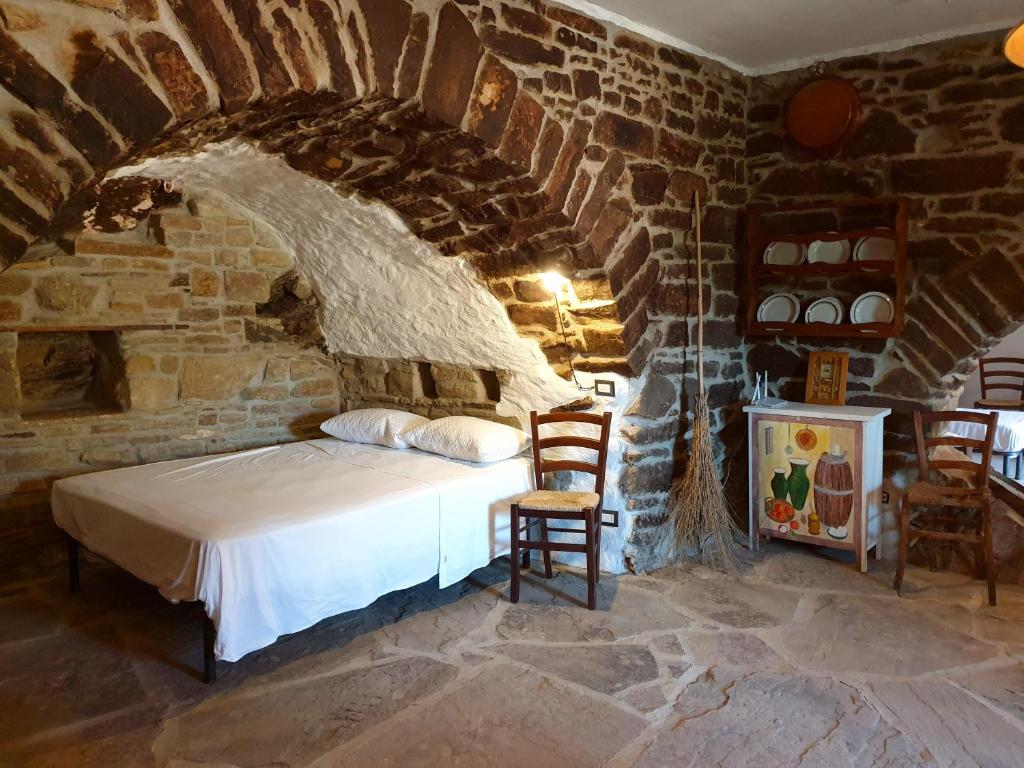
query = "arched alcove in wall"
{"x": 511, "y": 136}
{"x": 407, "y": 108}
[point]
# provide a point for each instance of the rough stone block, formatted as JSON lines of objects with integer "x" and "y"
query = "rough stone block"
{"x": 270, "y": 258}
{"x": 217, "y": 377}
{"x": 521, "y": 49}
{"x": 492, "y": 101}
{"x": 204, "y": 282}
{"x": 65, "y": 293}
{"x": 10, "y": 311}
{"x": 533, "y": 314}
{"x": 453, "y": 64}
{"x": 217, "y": 47}
{"x": 246, "y": 286}
{"x": 107, "y": 83}
{"x": 314, "y": 388}
{"x": 306, "y": 369}
{"x": 149, "y": 394}
{"x": 946, "y": 175}
{"x": 173, "y": 300}
{"x": 617, "y": 132}
{"x": 184, "y": 88}
{"x": 649, "y": 184}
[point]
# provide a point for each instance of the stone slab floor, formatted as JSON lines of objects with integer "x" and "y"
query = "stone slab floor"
{"x": 798, "y": 661}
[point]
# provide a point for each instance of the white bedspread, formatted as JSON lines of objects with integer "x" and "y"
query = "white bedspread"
{"x": 275, "y": 539}
{"x": 1009, "y": 435}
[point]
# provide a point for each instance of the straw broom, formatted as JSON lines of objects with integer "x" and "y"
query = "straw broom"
{"x": 703, "y": 514}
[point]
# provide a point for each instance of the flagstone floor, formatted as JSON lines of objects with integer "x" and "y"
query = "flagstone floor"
{"x": 798, "y": 661}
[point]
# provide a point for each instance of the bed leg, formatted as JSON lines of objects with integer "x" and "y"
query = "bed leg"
{"x": 209, "y": 661}
{"x": 73, "y": 581}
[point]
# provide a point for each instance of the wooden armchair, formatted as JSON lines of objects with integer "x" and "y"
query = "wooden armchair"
{"x": 973, "y": 525}
{"x": 536, "y": 508}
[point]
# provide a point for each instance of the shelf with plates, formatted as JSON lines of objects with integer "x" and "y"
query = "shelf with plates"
{"x": 830, "y": 236}
{"x": 880, "y": 267}
{"x": 824, "y": 330}
{"x": 805, "y": 264}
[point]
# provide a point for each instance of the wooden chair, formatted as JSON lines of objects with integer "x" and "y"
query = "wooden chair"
{"x": 1001, "y": 374}
{"x": 538, "y": 507}
{"x": 974, "y": 497}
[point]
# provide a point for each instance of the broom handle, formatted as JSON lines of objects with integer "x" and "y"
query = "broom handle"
{"x": 700, "y": 298}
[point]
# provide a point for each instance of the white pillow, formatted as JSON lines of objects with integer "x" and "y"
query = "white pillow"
{"x": 467, "y": 438}
{"x": 377, "y": 426}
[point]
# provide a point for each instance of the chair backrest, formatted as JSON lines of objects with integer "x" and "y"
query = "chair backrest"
{"x": 1002, "y": 374}
{"x": 599, "y": 444}
{"x": 923, "y": 422}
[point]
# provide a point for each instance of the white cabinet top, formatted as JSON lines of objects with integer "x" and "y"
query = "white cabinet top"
{"x": 839, "y": 412}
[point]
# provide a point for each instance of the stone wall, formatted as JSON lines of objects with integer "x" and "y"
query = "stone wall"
{"x": 429, "y": 389}
{"x": 517, "y": 135}
{"x": 942, "y": 126}
{"x": 221, "y": 347}
{"x": 205, "y": 371}
{"x": 520, "y": 136}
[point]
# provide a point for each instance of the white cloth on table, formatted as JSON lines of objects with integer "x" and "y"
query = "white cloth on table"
{"x": 273, "y": 540}
{"x": 1009, "y": 435}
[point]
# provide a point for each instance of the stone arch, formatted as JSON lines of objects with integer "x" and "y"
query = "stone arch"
{"x": 561, "y": 139}
{"x": 953, "y": 147}
{"x": 955, "y": 319}
{"x": 432, "y": 113}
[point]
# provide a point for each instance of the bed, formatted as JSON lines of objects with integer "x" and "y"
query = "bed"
{"x": 1007, "y": 443}
{"x": 273, "y": 540}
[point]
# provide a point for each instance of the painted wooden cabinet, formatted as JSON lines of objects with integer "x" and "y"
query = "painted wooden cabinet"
{"x": 816, "y": 475}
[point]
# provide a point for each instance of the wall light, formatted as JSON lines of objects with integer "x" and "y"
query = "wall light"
{"x": 1013, "y": 47}
{"x": 556, "y": 283}
{"x": 553, "y": 282}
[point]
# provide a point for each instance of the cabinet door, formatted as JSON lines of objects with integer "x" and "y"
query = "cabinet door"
{"x": 807, "y": 478}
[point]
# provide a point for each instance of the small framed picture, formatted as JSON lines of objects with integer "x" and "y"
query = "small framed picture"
{"x": 826, "y": 378}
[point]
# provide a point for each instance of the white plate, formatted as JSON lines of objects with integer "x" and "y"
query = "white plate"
{"x": 827, "y": 310}
{"x": 875, "y": 249}
{"x": 828, "y": 252}
{"x": 785, "y": 254}
{"x": 779, "y": 308}
{"x": 872, "y": 307}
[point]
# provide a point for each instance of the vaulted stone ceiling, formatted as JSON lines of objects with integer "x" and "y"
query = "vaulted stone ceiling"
{"x": 519, "y": 144}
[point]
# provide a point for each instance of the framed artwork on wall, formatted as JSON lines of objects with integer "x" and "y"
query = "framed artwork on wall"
{"x": 826, "y": 378}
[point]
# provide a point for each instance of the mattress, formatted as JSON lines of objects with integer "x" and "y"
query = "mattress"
{"x": 273, "y": 540}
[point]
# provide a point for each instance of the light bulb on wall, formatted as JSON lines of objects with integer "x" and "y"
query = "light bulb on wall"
{"x": 556, "y": 283}
{"x": 553, "y": 282}
{"x": 1013, "y": 46}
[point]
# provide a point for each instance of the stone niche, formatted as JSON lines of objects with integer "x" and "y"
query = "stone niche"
{"x": 70, "y": 373}
{"x": 430, "y": 389}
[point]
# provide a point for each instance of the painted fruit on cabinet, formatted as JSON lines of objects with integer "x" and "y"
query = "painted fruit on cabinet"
{"x": 806, "y": 485}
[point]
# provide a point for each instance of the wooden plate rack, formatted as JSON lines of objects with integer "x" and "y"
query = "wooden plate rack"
{"x": 830, "y": 221}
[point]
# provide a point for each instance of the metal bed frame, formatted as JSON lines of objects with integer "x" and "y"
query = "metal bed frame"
{"x": 609, "y": 518}
{"x": 209, "y": 631}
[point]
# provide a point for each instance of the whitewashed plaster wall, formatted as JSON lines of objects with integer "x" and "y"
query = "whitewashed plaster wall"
{"x": 386, "y": 293}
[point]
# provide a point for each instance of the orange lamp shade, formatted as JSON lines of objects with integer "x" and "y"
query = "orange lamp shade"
{"x": 1014, "y": 45}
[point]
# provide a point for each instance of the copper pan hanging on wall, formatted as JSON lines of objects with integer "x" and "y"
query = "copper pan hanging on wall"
{"x": 823, "y": 115}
